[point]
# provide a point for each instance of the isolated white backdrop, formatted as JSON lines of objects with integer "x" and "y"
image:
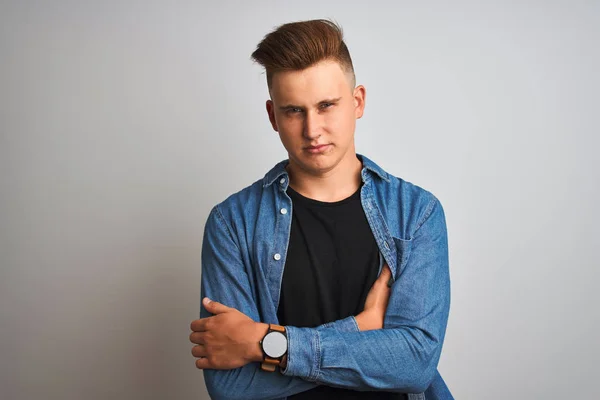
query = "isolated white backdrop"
{"x": 123, "y": 122}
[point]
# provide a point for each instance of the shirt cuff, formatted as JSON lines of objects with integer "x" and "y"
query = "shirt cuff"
{"x": 303, "y": 354}
{"x": 347, "y": 324}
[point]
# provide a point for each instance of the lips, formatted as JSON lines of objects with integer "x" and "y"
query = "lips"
{"x": 317, "y": 149}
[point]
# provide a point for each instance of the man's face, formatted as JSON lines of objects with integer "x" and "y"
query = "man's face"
{"x": 315, "y": 111}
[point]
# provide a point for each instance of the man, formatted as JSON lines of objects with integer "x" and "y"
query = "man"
{"x": 327, "y": 278}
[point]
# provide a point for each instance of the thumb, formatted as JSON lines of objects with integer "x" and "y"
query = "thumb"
{"x": 214, "y": 307}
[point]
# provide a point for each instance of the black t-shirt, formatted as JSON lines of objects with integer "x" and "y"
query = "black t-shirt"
{"x": 331, "y": 264}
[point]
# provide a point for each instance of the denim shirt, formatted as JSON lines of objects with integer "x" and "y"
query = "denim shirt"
{"x": 243, "y": 255}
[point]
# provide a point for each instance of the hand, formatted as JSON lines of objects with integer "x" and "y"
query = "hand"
{"x": 376, "y": 303}
{"x": 229, "y": 339}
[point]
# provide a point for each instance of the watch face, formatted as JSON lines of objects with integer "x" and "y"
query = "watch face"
{"x": 274, "y": 344}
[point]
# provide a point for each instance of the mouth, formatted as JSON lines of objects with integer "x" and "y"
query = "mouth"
{"x": 317, "y": 149}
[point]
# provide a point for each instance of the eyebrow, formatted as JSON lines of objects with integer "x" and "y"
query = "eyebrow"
{"x": 288, "y": 106}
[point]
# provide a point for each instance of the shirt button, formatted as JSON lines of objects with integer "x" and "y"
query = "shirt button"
{"x": 283, "y": 211}
{"x": 277, "y": 257}
{"x": 282, "y": 181}
{"x": 386, "y": 245}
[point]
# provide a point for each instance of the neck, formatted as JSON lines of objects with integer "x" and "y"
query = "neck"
{"x": 337, "y": 184}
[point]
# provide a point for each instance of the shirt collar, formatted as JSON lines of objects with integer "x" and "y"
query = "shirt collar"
{"x": 370, "y": 166}
{"x": 279, "y": 171}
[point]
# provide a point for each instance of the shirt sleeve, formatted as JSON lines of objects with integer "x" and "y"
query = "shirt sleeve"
{"x": 403, "y": 356}
{"x": 224, "y": 279}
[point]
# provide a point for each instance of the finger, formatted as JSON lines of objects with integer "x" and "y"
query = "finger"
{"x": 385, "y": 274}
{"x": 214, "y": 307}
{"x": 199, "y": 351}
{"x": 199, "y": 325}
{"x": 203, "y": 363}
{"x": 386, "y": 270}
{"x": 198, "y": 337}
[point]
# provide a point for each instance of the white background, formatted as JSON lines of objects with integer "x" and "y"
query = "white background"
{"x": 123, "y": 122}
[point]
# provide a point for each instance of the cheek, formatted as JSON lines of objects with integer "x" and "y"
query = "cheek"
{"x": 341, "y": 122}
{"x": 287, "y": 127}
{"x": 290, "y": 131}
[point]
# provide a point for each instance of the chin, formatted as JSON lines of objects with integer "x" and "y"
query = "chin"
{"x": 317, "y": 162}
{"x": 320, "y": 164}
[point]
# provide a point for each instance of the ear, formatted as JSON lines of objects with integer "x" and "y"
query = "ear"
{"x": 271, "y": 112}
{"x": 360, "y": 96}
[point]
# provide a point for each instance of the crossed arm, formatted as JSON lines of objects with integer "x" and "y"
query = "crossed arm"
{"x": 230, "y": 339}
{"x": 401, "y": 357}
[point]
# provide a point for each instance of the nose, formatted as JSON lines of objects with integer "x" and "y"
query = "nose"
{"x": 312, "y": 125}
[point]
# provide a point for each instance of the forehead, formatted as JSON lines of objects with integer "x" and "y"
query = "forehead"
{"x": 323, "y": 80}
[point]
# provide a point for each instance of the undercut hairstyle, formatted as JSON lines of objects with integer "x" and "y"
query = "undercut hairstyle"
{"x": 298, "y": 45}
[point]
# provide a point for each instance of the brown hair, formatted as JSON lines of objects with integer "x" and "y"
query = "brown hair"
{"x": 298, "y": 45}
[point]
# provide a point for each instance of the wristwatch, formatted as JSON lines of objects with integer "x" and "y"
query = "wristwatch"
{"x": 274, "y": 346}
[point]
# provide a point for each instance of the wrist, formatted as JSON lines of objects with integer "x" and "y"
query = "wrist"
{"x": 360, "y": 321}
{"x": 367, "y": 321}
{"x": 260, "y": 330}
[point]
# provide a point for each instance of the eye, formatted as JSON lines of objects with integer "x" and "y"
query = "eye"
{"x": 293, "y": 110}
{"x": 326, "y": 105}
